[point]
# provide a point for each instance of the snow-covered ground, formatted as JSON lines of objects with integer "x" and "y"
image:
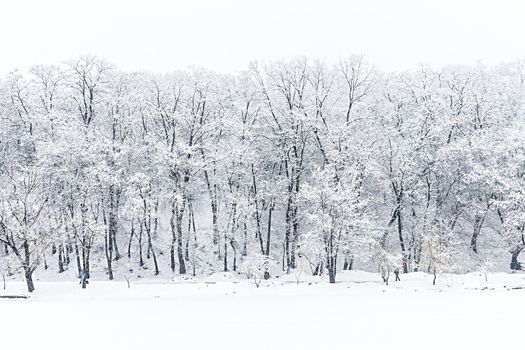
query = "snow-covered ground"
{"x": 291, "y": 312}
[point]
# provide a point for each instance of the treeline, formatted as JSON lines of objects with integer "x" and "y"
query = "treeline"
{"x": 283, "y": 164}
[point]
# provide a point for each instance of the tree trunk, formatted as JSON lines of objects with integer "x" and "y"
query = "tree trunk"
{"x": 68, "y": 248}
{"x": 318, "y": 271}
{"x": 108, "y": 245}
{"x": 478, "y": 223}
{"x": 418, "y": 248}
{"x": 212, "y": 191}
{"x": 173, "y": 237}
{"x": 77, "y": 255}
{"x": 147, "y": 227}
{"x": 287, "y": 230}
{"x": 86, "y": 263}
{"x": 155, "y": 263}
{"x": 257, "y": 212}
{"x": 115, "y": 247}
{"x": 234, "y": 255}
{"x": 268, "y": 236}
{"x": 214, "y": 218}
{"x": 61, "y": 258}
{"x": 150, "y": 248}
{"x": 113, "y": 223}
{"x": 180, "y": 251}
{"x": 401, "y": 241}
{"x": 331, "y": 257}
{"x": 188, "y": 235}
{"x": 348, "y": 263}
{"x": 245, "y": 239}
{"x": 514, "y": 263}
{"x": 225, "y": 258}
{"x": 131, "y": 238}
{"x": 332, "y": 269}
{"x": 28, "y": 273}
{"x": 295, "y": 229}
{"x": 141, "y": 258}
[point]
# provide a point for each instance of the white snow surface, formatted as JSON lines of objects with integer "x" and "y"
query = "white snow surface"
{"x": 295, "y": 311}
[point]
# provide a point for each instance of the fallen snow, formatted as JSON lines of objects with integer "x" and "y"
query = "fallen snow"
{"x": 292, "y": 312}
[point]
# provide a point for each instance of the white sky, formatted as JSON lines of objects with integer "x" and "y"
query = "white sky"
{"x": 163, "y": 35}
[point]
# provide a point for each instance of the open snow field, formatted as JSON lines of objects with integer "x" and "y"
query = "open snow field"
{"x": 461, "y": 312}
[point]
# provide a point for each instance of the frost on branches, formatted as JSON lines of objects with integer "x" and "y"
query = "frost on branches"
{"x": 112, "y": 174}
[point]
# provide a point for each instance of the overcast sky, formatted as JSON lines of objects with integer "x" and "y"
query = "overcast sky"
{"x": 225, "y": 35}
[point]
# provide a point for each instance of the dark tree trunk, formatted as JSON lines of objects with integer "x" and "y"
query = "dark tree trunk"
{"x": 332, "y": 269}
{"x": 245, "y": 239}
{"x": 195, "y": 244}
{"x": 348, "y": 263}
{"x": 131, "y": 238}
{"x": 60, "y": 258}
{"x": 68, "y": 248}
{"x": 234, "y": 255}
{"x": 180, "y": 250}
{"x": 215, "y": 221}
{"x": 108, "y": 245}
{"x": 269, "y": 229}
{"x": 212, "y": 191}
{"x": 318, "y": 271}
{"x": 295, "y": 227}
{"x": 232, "y": 234}
{"x": 225, "y": 258}
{"x": 147, "y": 226}
{"x": 188, "y": 235}
{"x": 77, "y": 254}
{"x": 113, "y": 221}
{"x": 268, "y": 236}
{"x": 418, "y": 248}
{"x": 150, "y": 248}
{"x": 110, "y": 267}
{"x": 28, "y": 273}
{"x": 401, "y": 241}
{"x": 257, "y": 213}
{"x": 155, "y": 263}
{"x": 115, "y": 247}
{"x": 514, "y": 263}
{"x": 141, "y": 258}
{"x": 478, "y": 223}
{"x": 173, "y": 236}
{"x": 67, "y": 258}
{"x": 331, "y": 257}
{"x": 86, "y": 263}
{"x": 156, "y": 220}
{"x": 287, "y": 230}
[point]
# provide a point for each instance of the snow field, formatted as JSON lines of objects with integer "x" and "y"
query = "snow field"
{"x": 461, "y": 312}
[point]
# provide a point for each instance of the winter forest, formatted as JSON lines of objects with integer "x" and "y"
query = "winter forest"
{"x": 287, "y": 165}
